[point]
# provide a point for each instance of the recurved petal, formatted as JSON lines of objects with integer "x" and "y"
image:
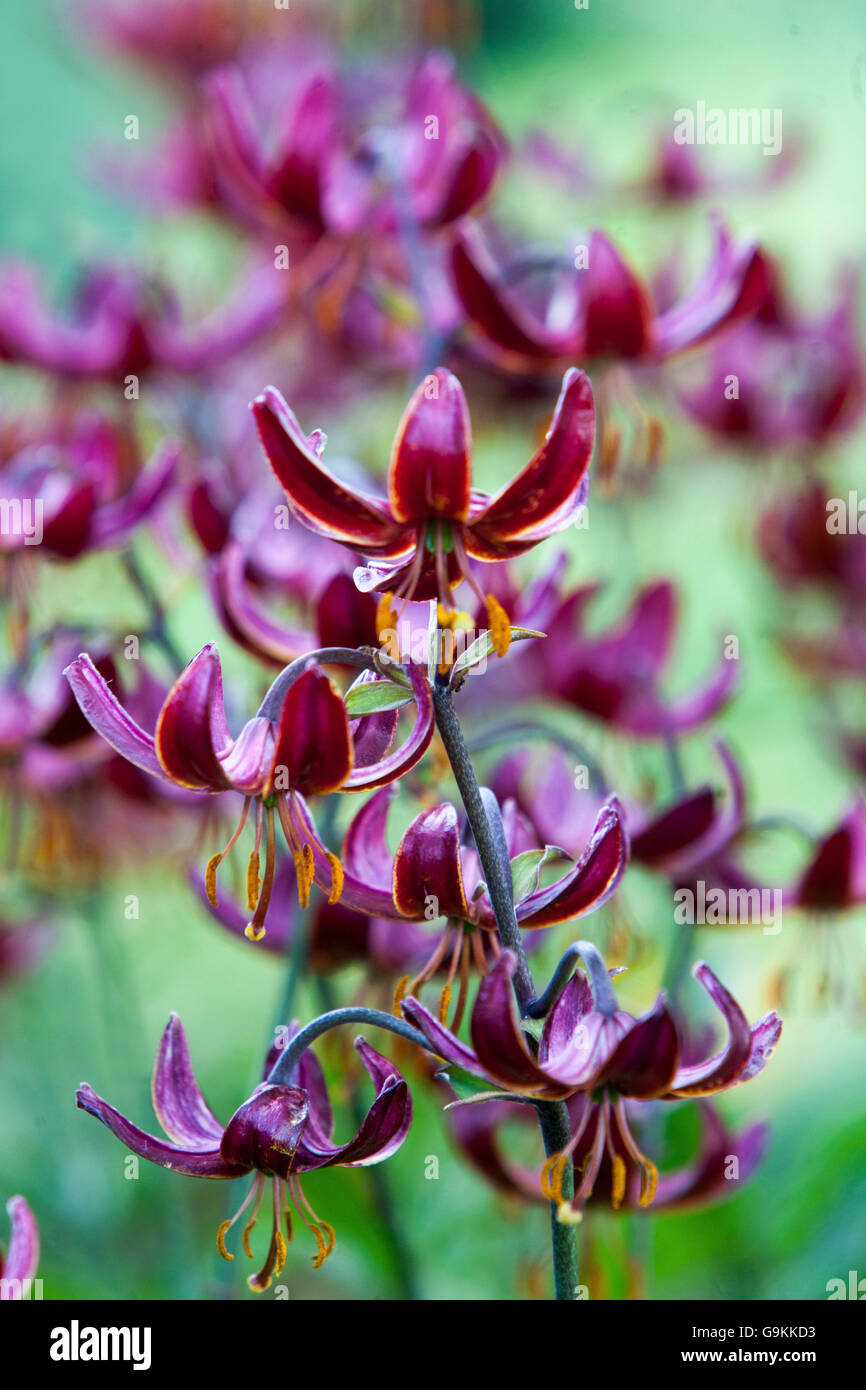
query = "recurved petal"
{"x": 430, "y": 469}
{"x": 644, "y": 1062}
{"x": 725, "y": 1067}
{"x": 732, "y": 289}
{"x": 313, "y": 746}
{"x": 104, "y": 712}
{"x": 360, "y": 892}
{"x": 178, "y": 1103}
{"x": 204, "y": 1162}
{"x": 590, "y": 882}
{"x": 382, "y": 1130}
{"x": 319, "y": 500}
{"x": 442, "y": 1040}
{"x": 112, "y": 522}
{"x": 398, "y": 762}
{"x": 617, "y": 309}
{"x": 365, "y": 854}
{"x": 543, "y": 498}
{"x": 498, "y": 1039}
{"x": 191, "y": 731}
{"x": 22, "y": 1256}
{"x": 565, "y": 1017}
{"x": 427, "y": 875}
{"x": 498, "y": 313}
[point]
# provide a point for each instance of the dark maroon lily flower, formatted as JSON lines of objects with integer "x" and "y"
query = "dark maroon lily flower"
{"x": 122, "y": 326}
{"x": 432, "y": 519}
{"x": 81, "y": 487}
{"x": 309, "y": 747}
{"x": 22, "y": 1257}
{"x": 590, "y": 1047}
{"x": 799, "y": 381}
{"x": 615, "y": 677}
{"x": 699, "y": 1182}
{"x": 603, "y": 309}
{"x": 802, "y": 546}
{"x": 281, "y": 1132}
{"x": 835, "y": 877}
{"x": 441, "y": 155}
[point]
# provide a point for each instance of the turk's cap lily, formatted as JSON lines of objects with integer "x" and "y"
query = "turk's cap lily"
{"x": 22, "y": 1255}
{"x": 587, "y": 1042}
{"x": 280, "y": 1132}
{"x": 835, "y": 877}
{"x": 604, "y": 309}
{"x": 432, "y": 519}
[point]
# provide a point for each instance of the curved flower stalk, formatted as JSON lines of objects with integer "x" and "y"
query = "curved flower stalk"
{"x": 590, "y": 1048}
{"x": 86, "y": 484}
{"x": 700, "y": 1181}
{"x": 22, "y": 1256}
{"x": 280, "y": 1132}
{"x": 300, "y": 743}
{"x": 603, "y": 309}
{"x": 432, "y": 520}
{"x": 120, "y": 325}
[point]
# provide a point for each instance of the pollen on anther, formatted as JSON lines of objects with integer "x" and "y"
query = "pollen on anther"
{"x": 210, "y": 874}
{"x": 221, "y": 1241}
{"x": 253, "y": 881}
{"x": 337, "y": 877}
{"x": 500, "y": 627}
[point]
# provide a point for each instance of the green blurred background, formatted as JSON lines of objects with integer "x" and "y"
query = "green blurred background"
{"x": 95, "y": 1006}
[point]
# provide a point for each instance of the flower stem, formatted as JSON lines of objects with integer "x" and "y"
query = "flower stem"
{"x": 486, "y": 825}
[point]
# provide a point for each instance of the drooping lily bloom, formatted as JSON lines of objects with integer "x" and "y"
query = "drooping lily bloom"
{"x": 603, "y": 309}
{"x": 307, "y": 746}
{"x": 698, "y": 1182}
{"x": 121, "y": 325}
{"x": 432, "y": 520}
{"x": 693, "y": 836}
{"x": 441, "y": 154}
{"x": 835, "y": 877}
{"x": 22, "y": 1257}
{"x": 591, "y": 1048}
{"x": 800, "y": 380}
{"x": 80, "y": 485}
{"x": 806, "y": 539}
{"x": 615, "y": 677}
{"x": 280, "y": 1132}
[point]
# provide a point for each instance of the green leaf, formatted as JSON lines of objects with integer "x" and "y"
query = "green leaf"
{"x": 463, "y": 1084}
{"x": 526, "y": 869}
{"x": 481, "y": 648}
{"x": 375, "y": 696}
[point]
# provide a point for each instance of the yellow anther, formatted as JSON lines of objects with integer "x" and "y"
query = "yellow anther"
{"x": 617, "y": 1183}
{"x": 290, "y": 1226}
{"x": 324, "y": 1243}
{"x": 551, "y": 1177}
{"x": 567, "y": 1216}
{"x": 386, "y": 626}
{"x": 336, "y": 876}
{"x": 500, "y": 627}
{"x": 444, "y": 1002}
{"x": 656, "y": 441}
{"x": 254, "y": 883}
{"x": 399, "y": 996}
{"x": 281, "y": 1253}
{"x": 649, "y": 1181}
{"x": 305, "y": 869}
{"x": 245, "y": 1237}
{"x": 210, "y": 878}
{"x": 221, "y": 1241}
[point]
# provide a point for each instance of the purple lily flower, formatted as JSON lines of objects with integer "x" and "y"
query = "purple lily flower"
{"x": 432, "y": 519}
{"x": 604, "y": 309}
{"x": 698, "y": 1182}
{"x": 311, "y": 747}
{"x": 796, "y": 544}
{"x": 86, "y": 486}
{"x": 590, "y": 1047}
{"x": 180, "y": 39}
{"x": 800, "y": 381}
{"x": 835, "y": 877}
{"x": 22, "y": 1256}
{"x": 280, "y": 1132}
{"x": 615, "y": 677}
{"x": 122, "y": 326}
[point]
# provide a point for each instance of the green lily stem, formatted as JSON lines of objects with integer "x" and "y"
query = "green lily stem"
{"x": 486, "y": 825}
{"x": 158, "y": 632}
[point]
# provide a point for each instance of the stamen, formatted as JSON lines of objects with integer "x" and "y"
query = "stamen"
{"x": 255, "y": 930}
{"x": 399, "y": 996}
{"x": 210, "y": 878}
{"x": 337, "y": 876}
{"x": 305, "y": 870}
{"x": 254, "y": 883}
{"x": 617, "y": 1182}
{"x": 221, "y": 1243}
{"x": 444, "y": 1001}
{"x": 649, "y": 1173}
{"x": 321, "y": 1230}
{"x": 255, "y": 1192}
{"x": 500, "y": 627}
{"x": 386, "y": 626}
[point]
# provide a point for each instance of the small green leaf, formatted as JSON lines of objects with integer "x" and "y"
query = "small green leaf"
{"x": 526, "y": 869}
{"x": 481, "y": 648}
{"x": 375, "y": 696}
{"x": 462, "y": 1083}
